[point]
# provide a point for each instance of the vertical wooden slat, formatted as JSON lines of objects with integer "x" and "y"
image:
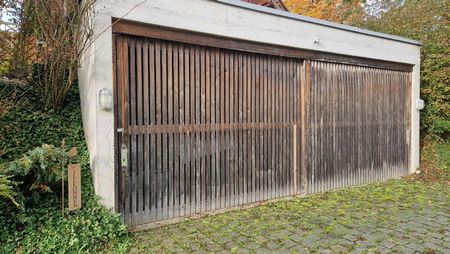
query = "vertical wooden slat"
{"x": 181, "y": 110}
{"x": 165, "y": 136}
{"x": 277, "y": 118}
{"x": 192, "y": 136}
{"x": 232, "y": 144}
{"x": 152, "y": 107}
{"x": 202, "y": 135}
{"x": 242, "y": 171}
{"x": 271, "y": 141}
{"x": 139, "y": 138}
{"x": 169, "y": 121}
{"x": 217, "y": 133}
{"x": 158, "y": 160}
{"x": 221, "y": 111}
{"x": 123, "y": 80}
{"x": 246, "y": 147}
{"x": 226, "y": 112}
{"x": 146, "y": 122}
{"x": 213, "y": 133}
{"x": 187, "y": 120}
{"x": 133, "y": 157}
{"x": 176, "y": 136}
{"x": 257, "y": 79}
{"x": 208, "y": 146}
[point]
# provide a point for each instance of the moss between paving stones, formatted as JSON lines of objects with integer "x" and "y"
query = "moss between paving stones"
{"x": 385, "y": 216}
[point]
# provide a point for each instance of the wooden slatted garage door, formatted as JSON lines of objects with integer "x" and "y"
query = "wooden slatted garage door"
{"x": 202, "y": 128}
{"x": 359, "y": 125}
{"x": 205, "y": 123}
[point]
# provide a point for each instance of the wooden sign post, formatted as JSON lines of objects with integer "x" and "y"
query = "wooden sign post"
{"x": 74, "y": 186}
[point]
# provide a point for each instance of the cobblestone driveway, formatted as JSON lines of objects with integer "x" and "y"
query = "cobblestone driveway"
{"x": 398, "y": 216}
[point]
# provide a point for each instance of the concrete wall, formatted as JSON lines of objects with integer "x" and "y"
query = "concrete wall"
{"x": 230, "y": 19}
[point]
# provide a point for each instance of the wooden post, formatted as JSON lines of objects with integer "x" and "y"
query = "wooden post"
{"x": 63, "y": 146}
{"x": 304, "y": 107}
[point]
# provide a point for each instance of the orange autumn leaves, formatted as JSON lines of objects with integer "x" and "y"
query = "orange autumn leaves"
{"x": 341, "y": 11}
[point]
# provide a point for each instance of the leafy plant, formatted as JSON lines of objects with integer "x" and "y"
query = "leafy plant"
{"x": 440, "y": 129}
{"x": 7, "y": 189}
{"x": 428, "y": 22}
{"x": 37, "y": 226}
{"x": 38, "y": 169}
{"x": 25, "y": 125}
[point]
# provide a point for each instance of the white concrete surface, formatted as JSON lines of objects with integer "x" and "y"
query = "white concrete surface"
{"x": 223, "y": 19}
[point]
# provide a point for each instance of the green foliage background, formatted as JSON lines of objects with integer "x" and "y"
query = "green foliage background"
{"x": 37, "y": 226}
{"x": 428, "y": 22}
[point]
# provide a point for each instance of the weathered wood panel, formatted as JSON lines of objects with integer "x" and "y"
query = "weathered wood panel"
{"x": 358, "y": 125}
{"x": 204, "y": 128}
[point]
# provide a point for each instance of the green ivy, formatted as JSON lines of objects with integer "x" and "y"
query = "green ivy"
{"x": 426, "y": 21}
{"x": 7, "y": 189}
{"x": 25, "y": 126}
{"x": 37, "y": 225}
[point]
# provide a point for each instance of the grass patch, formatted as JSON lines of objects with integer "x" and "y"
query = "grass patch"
{"x": 435, "y": 162}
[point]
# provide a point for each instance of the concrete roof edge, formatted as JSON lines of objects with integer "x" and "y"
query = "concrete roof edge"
{"x": 321, "y": 22}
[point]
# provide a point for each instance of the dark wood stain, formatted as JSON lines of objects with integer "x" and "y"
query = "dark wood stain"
{"x": 207, "y": 127}
{"x": 359, "y": 125}
{"x": 157, "y": 32}
{"x": 202, "y": 127}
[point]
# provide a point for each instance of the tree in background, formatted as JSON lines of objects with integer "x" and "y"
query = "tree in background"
{"x": 423, "y": 20}
{"x": 341, "y": 11}
{"x": 428, "y": 22}
{"x": 17, "y": 49}
{"x": 59, "y": 32}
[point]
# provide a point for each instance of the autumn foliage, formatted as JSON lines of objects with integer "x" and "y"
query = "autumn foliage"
{"x": 341, "y": 11}
{"x": 425, "y": 20}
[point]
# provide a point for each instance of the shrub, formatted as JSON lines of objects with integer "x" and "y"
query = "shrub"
{"x": 440, "y": 129}
{"x": 7, "y": 189}
{"x": 37, "y": 226}
{"x": 39, "y": 169}
{"x": 25, "y": 126}
{"x": 426, "y": 21}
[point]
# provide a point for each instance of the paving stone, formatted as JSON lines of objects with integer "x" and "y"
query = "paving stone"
{"x": 272, "y": 245}
{"x": 223, "y": 252}
{"x": 242, "y": 251}
{"x": 432, "y": 246}
{"x": 241, "y": 239}
{"x": 288, "y": 243}
{"x": 262, "y": 251}
{"x": 283, "y": 251}
{"x": 230, "y": 245}
{"x": 415, "y": 247}
{"x": 252, "y": 245}
{"x": 325, "y": 251}
{"x": 296, "y": 237}
{"x": 339, "y": 249}
{"x": 404, "y": 224}
{"x": 388, "y": 244}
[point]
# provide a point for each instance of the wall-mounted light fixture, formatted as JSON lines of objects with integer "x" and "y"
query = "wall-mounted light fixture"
{"x": 420, "y": 104}
{"x": 105, "y": 99}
